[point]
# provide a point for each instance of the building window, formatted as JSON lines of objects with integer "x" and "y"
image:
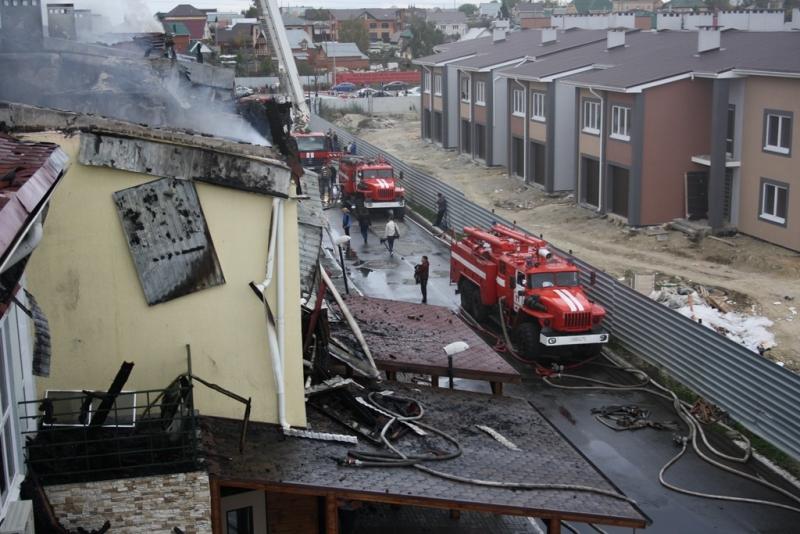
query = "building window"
{"x": 621, "y": 123}
{"x": 465, "y": 92}
{"x": 591, "y": 117}
{"x": 372, "y": 25}
{"x": 437, "y": 84}
{"x": 240, "y": 521}
{"x": 426, "y": 82}
{"x": 778, "y": 132}
{"x": 537, "y": 107}
{"x": 480, "y": 93}
{"x": 384, "y": 25}
{"x": 774, "y": 201}
{"x": 729, "y": 137}
{"x": 518, "y": 102}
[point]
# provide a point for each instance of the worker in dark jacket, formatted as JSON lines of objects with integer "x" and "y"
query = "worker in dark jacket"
{"x": 421, "y": 271}
{"x": 441, "y": 211}
{"x": 364, "y": 222}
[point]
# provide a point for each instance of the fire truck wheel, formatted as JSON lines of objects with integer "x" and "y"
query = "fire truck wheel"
{"x": 400, "y": 213}
{"x": 528, "y": 340}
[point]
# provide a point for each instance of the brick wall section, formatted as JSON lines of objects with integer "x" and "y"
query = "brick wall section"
{"x": 134, "y": 505}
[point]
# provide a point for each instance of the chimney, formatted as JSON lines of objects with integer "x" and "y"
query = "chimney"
{"x": 615, "y": 38}
{"x": 708, "y": 38}
{"x": 499, "y": 30}
{"x": 549, "y": 35}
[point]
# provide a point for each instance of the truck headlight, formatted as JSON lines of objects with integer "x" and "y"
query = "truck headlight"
{"x": 603, "y": 337}
{"x": 551, "y": 341}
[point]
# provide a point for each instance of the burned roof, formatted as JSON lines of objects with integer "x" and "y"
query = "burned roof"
{"x": 28, "y": 174}
{"x": 544, "y": 457}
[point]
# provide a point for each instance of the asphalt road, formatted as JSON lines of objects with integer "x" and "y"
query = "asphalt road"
{"x": 630, "y": 459}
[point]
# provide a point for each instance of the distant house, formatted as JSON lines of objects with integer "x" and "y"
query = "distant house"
{"x": 193, "y": 19}
{"x": 624, "y": 6}
{"x": 180, "y": 35}
{"x": 380, "y": 23}
{"x": 341, "y": 55}
{"x": 531, "y": 15}
{"x": 684, "y": 6}
{"x": 587, "y": 7}
{"x": 242, "y": 35}
{"x": 300, "y": 42}
{"x": 489, "y": 11}
{"x": 451, "y": 22}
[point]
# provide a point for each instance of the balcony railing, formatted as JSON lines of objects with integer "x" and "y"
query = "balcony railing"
{"x": 69, "y": 438}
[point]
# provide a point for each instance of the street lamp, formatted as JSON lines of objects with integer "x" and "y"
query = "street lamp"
{"x": 339, "y": 241}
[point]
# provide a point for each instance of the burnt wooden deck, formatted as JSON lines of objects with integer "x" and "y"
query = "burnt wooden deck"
{"x": 410, "y": 337}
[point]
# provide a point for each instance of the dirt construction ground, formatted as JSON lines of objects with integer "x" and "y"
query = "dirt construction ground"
{"x": 750, "y": 276}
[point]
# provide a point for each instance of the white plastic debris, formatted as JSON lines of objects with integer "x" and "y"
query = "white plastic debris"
{"x": 455, "y": 347}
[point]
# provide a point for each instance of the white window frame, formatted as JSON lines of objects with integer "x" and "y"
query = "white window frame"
{"x": 466, "y": 82}
{"x": 591, "y": 116}
{"x": 480, "y": 93}
{"x": 784, "y": 121}
{"x": 11, "y": 468}
{"x": 426, "y": 82}
{"x": 537, "y": 107}
{"x": 518, "y": 102}
{"x": 437, "y": 84}
{"x": 621, "y": 123}
{"x": 772, "y": 216}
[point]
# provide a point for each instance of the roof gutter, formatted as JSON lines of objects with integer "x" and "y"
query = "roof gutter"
{"x": 516, "y": 62}
{"x": 32, "y": 235}
{"x": 440, "y": 63}
{"x": 546, "y": 79}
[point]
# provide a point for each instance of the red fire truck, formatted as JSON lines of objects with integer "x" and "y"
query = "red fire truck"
{"x": 315, "y": 150}
{"x": 370, "y": 183}
{"x": 539, "y": 292}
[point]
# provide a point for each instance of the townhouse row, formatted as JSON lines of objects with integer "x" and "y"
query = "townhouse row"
{"x": 646, "y": 126}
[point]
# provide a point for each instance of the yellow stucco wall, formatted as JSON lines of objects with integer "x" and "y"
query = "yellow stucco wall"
{"x": 84, "y": 277}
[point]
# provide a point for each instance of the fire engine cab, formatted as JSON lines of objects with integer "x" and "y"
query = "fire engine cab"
{"x": 370, "y": 183}
{"x": 539, "y": 292}
{"x": 315, "y": 150}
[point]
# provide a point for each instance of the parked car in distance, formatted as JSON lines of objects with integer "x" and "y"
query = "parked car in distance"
{"x": 344, "y": 87}
{"x": 369, "y": 91}
{"x": 241, "y": 91}
{"x": 395, "y": 86}
{"x": 415, "y": 91}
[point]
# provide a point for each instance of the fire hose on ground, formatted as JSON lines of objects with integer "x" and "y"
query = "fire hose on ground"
{"x": 681, "y": 408}
{"x": 400, "y": 459}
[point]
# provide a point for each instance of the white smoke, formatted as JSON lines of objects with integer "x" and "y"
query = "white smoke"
{"x": 121, "y": 16}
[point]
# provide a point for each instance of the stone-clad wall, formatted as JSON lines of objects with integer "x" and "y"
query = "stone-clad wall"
{"x": 135, "y": 505}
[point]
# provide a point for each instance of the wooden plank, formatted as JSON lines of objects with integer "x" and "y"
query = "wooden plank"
{"x": 216, "y": 506}
{"x": 331, "y": 514}
{"x": 554, "y": 525}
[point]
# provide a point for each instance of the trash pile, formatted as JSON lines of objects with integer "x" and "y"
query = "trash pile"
{"x": 715, "y": 313}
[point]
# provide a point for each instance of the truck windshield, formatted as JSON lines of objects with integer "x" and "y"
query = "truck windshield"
{"x": 568, "y": 279}
{"x": 311, "y": 144}
{"x": 377, "y": 173}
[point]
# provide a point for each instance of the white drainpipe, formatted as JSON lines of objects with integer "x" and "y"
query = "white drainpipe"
{"x": 600, "y": 172}
{"x": 277, "y": 340}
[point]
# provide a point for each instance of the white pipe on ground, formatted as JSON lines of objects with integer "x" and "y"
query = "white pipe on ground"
{"x": 350, "y": 320}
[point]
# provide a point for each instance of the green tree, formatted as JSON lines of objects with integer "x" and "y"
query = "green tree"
{"x": 253, "y": 11}
{"x": 424, "y": 36}
{"x": 468, "y": 9}
{"x": 354, "y": 31}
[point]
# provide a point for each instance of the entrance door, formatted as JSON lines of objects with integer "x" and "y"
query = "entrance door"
{"x": 426, "y": 124}
{"x": 619, "y": 190}
{"x": 517, "y": 157}
{"x": 466, "y": 145}
{"x": 480, "y": 141}
{"x": 537, "y": 162}
{"x": 243, "y": 512}
{"x": 437, "y": 126}
{"x": 697, "y": 195}
{"x": 590, "y": 169}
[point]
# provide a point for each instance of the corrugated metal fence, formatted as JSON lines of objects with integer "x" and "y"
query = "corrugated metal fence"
{"x": 760, "y": 395}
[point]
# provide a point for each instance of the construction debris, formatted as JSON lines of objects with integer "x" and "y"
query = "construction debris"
{"x": 629, "y": 417}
